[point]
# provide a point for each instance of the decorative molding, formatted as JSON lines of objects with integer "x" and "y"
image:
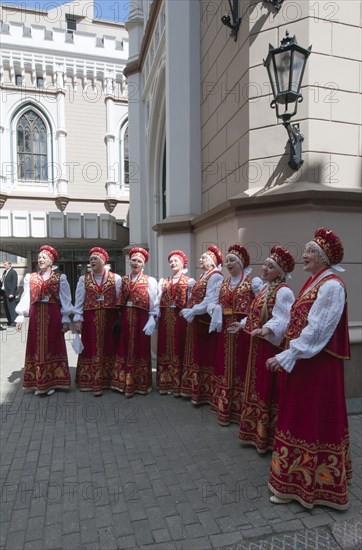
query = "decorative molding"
{"x": 61, "y": 202}
{"x": 3, "y": 199}
{"x": 110, "y": 204}
{"x": 136, "y": 66}
{"x": 293, "y": 195}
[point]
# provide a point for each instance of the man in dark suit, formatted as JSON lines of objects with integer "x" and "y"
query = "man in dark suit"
{"x": 9, "y": 284}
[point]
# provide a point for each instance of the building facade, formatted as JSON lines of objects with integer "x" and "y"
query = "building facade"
{"x": 213, "y": 167}
{"x": 65, "y": 172}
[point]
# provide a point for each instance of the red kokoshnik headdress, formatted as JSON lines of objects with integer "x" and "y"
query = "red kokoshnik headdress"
{"x": 180, "y": 255}
{"x": 100, "y": 252}
{"x": 283, "y": 258}
{"x": 50, "y": 252}
{"x": 215, "y": 254}
{"x": 331, "y": 245}
{"x": 241, "y": 253}
{"x": 139, "y": 252}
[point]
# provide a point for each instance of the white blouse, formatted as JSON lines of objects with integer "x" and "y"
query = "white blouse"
{"x": 80, "y": 294}
{"x": 323, "y": 318}
{"x": 175, "y": 278}
{"x": 215, "y": 309}
{"x": 280, "y": 318}
{"x": 211, "y": 297}
{"x": 23, "y": 307}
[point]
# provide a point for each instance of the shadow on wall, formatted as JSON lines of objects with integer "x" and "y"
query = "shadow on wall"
{"x": 317, "y": 172}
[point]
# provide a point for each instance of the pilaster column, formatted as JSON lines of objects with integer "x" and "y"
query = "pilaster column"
{"x": 139, "y": 222}
{"x": 61, "y": 134}
{"x": 183, "y": 133}
{"x": 111, "y": 183}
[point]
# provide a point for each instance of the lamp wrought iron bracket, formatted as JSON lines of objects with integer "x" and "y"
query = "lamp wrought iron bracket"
{"x": 232, "y": 19}
{"x": 295, "y": 139}
{"x": 277, "y": 4}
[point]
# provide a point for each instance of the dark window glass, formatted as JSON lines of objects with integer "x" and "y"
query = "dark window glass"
{"x": 32, "y": 147}
{"x": 126, "y": 157}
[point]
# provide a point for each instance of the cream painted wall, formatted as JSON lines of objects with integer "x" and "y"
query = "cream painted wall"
{"x": 243, "y": 146}
{"x": 85, "y": 119}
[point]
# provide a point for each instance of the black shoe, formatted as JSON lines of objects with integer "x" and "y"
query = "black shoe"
{"x": 11, "y": 324}
{"x": 2, "y": 328}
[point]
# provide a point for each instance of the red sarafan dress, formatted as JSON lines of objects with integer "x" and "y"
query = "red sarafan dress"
{"x": 46, "y": 298}
{"x": 311, "y": 456}
{"x": 132, "y": 372}
{"x": 200, "y": 346}
{"x": 230, "y": 368}
{"x": 97, "y": 303}
{"x": 171, "y": 333}
{"x": 270, "y": 309}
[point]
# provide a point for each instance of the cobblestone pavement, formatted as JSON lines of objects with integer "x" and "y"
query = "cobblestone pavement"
{"x": 152, "y": 472}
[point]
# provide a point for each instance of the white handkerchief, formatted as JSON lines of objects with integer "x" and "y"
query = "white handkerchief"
{"x": 77, "y": 344}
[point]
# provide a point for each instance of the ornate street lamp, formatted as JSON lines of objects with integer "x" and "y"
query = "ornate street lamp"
{"x": 286, "y": 66}
{"x": 231, "y": 19}
{"x": 277, "y": 4}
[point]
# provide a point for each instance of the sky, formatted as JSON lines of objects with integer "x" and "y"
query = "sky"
{"x": 111, "y": 10}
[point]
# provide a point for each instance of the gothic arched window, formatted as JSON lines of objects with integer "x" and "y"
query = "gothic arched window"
{"x": 31, "y": 135}
{"x": 124, "y": 174}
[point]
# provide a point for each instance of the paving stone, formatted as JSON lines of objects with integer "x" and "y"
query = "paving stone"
{"x": 122, "y": 525}
{"x": 35, "y": 545}
{"x": 71, "y": 522}
{"x": 226, "y": 524}
{"x": 223, "y": 539}
{"x": 317, "y": 539}
{"x": 348, "y": 534}
{"x": 4, "y": 529}
{"x": 202, "y": 543}
{"x": 293, "y": 525}
{"x": 161, "y": 535}
{"x": 88, "y": 531}
{"x": 15, "y": 540}
{"x": 107, "y": 539}
{"x": 175, "y": 527}
{"x": 173, "y": 480}
{"x": 71, "y": 541}
{"x": 127, "y": 542}
{"x": 319, "y": 520}
{"x": 34, "y": 528}
{"x": 53, "y": 537}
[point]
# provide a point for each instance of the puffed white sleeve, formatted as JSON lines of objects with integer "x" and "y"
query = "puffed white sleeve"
{"x": 152, "y": 293}
{"x": 159, "y": 296}
{"x": 256, "y": 285}
{"x": 279, "y": 320}
{"x": 118, "y": 281}
{"x": 323, "y": 319}
{"x": 211, "y": 295}
{"x": 65, "y": 299}
{"x": 79, "y": 300}
{"x": 23, "y": 307}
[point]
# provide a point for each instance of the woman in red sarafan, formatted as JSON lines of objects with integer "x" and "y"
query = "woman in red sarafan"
{"x": 47, "y": 301}
{"x": 311, "y": 455}
{"x": 235, "y": 296}
{"x": 173, "y": 294}
{"x": 132, "y": 372}
{"x": 265, "y": 327}
{"x": 200, "y": 347}
{"x": 95, "y": 313}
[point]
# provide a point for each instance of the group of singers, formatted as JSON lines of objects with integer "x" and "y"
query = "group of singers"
{"x": 246, "y": 347}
